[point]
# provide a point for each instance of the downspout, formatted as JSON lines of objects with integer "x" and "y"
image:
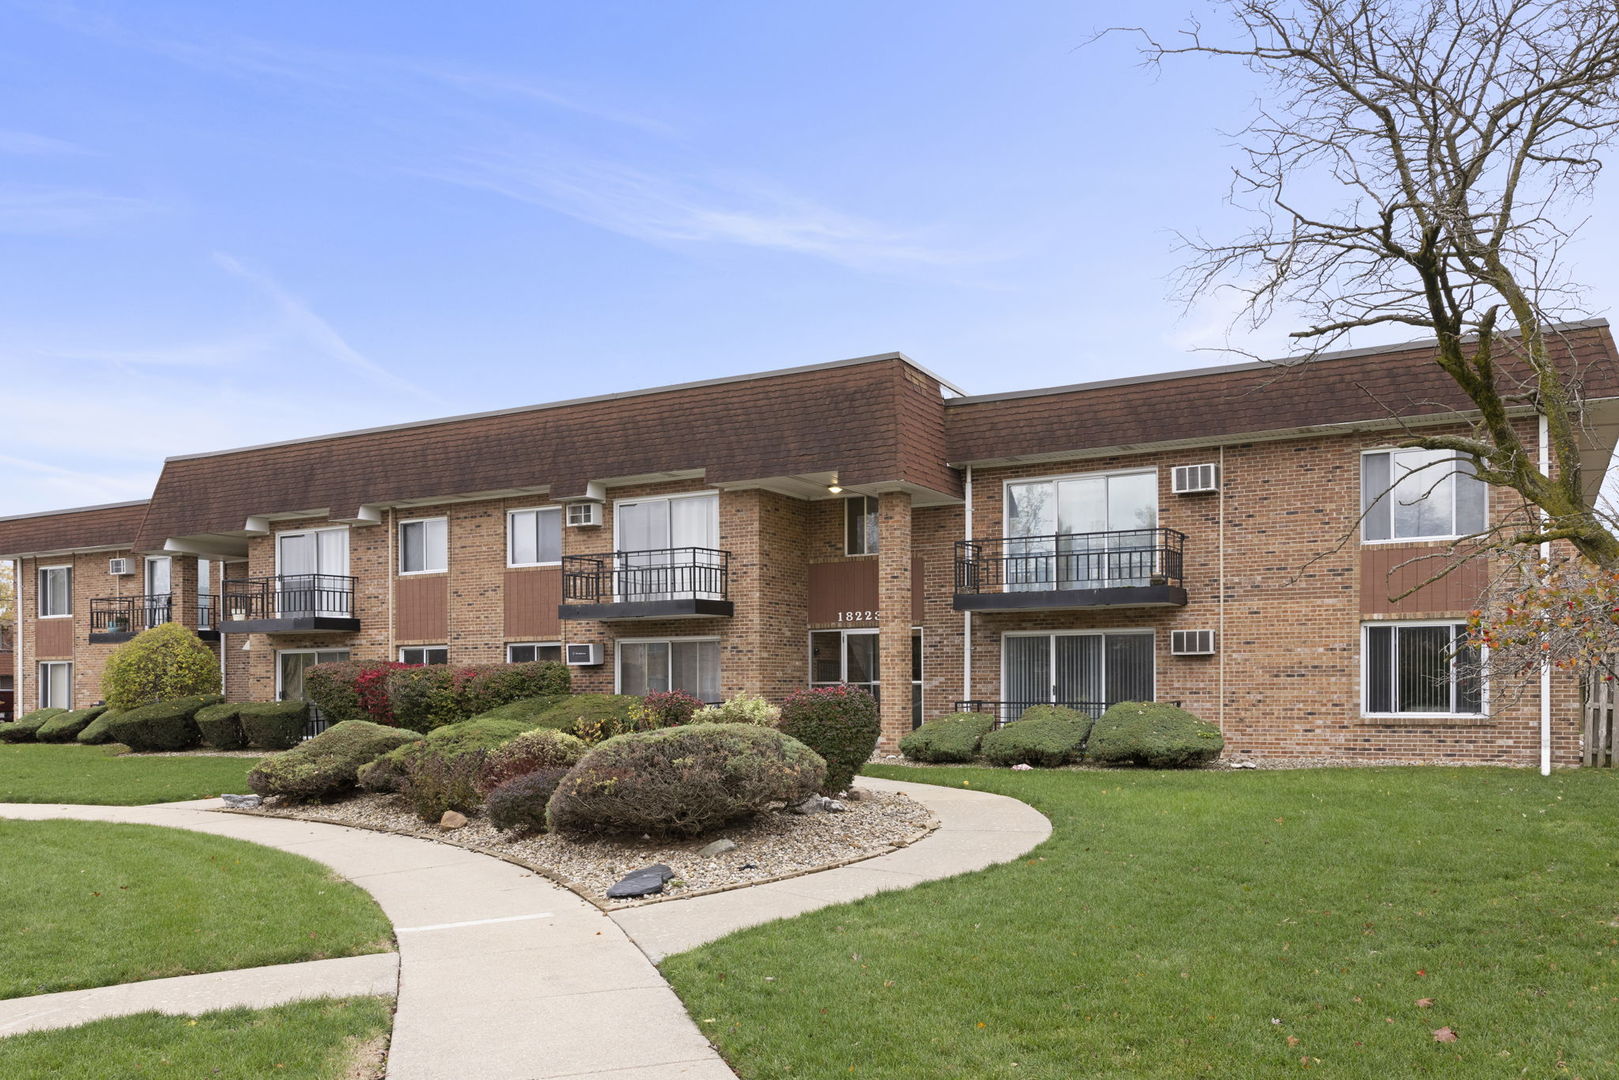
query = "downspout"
{"x": 216, "y": 615}
{"x": 967, "y": 616}
{"x": 17, "y": 657}
{"x": 1220, "y": 635}
{"x": 393, "y": 581}
{"x": 1545, "y": 665}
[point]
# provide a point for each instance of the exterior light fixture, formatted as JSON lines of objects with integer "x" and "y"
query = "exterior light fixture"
{"x": 834, "y": 489}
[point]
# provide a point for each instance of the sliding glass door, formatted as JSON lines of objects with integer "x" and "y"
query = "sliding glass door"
{"x": 667, "y": 548}
{"x": 1081, "y": 532}
{"x": 312, "y": 570}
{"x": 1087, "y": 670}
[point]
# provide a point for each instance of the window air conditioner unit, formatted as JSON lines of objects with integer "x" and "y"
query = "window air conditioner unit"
{"x": 1191, "y": 642}
{"x": 584, "y": 513}
{"x": 1196, "y": 479}
{"x": 587, "y": 655}
{"x": 120, "y": 567}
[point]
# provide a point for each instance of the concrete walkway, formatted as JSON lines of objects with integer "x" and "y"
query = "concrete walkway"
{"x": 505, "y": 976}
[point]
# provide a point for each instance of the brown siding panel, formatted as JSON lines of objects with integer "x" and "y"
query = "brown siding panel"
{"x": 423, "y": 608}
{"x": 53, "y": 639}
{"x": 842, "y": 586}
{"x": 918, "y": 591}
{"x": 532, "y": 599}
{"x": 1388, "y": 570}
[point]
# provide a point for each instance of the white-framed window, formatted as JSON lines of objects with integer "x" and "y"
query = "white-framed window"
{"x": 312, "y": 567}
{"x": 56, "y": 684}
{"x": 689, "y": 664}
{"x": 1083, "y": 669}
{"x": 159, "y": 586}
{"x": 424, "y": 654}
{"x": 1417, "y": 494}
{"x": 55, "y": 592}
{"x": 534, "y": 536}
{"x": 529, "y": 652}
{"x": 424, "y": 546}
{"x": 860, "y": 525}
{"x": 1420, "y": 669}
{"x": 668, "y": 547}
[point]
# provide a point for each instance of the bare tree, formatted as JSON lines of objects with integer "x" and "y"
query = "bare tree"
{"x": 1418, "y": 162}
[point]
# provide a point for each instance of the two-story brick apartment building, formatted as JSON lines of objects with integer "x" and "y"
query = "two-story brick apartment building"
{"x": 1196, "y": 536}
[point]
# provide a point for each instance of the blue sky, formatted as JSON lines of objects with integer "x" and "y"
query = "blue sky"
{"x": 225, "y": 224}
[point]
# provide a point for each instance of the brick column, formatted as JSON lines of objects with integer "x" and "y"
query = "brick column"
{"x": 894, "y": 611}
{"x": 183, "y": 590}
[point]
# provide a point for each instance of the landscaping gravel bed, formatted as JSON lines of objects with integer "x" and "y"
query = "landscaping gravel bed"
{"x": 771, "y": 846}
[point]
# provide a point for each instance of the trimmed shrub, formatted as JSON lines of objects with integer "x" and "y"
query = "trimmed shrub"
{"x": 424, "y": 698}
{"x": 66, "y": 727}
{"x": 837, "y": 722}
{"x": 273, "y": 725}
{"x": 326, "y": 766}
{"x": 518, "y": 805}
{"x": 1159, "y": 736}
{"x": 495, "y": 685}
{"x": 387, "y": 773}
{"x": 668, "y": 708}
{"x": 739, "y": 709}
{"x": 441, "y": 771}
{"x": 220, "y": 726}
{"x": 351, "y": 690}
{"x": 24, "y": 728}
{"x": 163, "y": 725}
{"x": 592, "y": 717}
{"x": 165, "y": 663}
{"x": 684, "y": 780}
{"x": 948, "y": 738}
{"x": 529, "y": 710}
{"x": 541, "y": 748}
{"x": 1045, "y": 735}
{"x": 99, "y": 730}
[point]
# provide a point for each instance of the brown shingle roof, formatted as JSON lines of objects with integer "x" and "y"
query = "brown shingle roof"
{"x": 1358, "y": 386}
{"x": 86, "y": 528}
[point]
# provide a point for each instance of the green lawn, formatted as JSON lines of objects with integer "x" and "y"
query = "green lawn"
{"x": 1212, "y": 924}
{"x": 307, "y": 1040}
{"x": 69, "y": 773}
{"x": 86, "y": 903}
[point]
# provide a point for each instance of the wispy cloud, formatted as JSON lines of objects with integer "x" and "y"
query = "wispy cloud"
{"x": 27, "y": 144}
{"x": 302, "y": 319}
{"x": 669, "y": 209}
{"x": 44, "y": 210}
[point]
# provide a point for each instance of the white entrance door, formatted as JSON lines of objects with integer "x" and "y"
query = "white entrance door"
{"x": 159, "y": 569}
{"x": 312, "y": 570}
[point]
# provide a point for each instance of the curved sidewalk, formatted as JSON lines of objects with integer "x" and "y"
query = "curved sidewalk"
{"x": 506, "y": 976}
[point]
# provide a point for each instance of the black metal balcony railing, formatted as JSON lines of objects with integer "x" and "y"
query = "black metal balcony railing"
{"x": 680, "y": 573}
{"x": 1062, "y": 561}
{"x": 205, "y": 611}
{"x": 130, "y": 614}
{"x": 287, "y": 596}
{"x": 1006, "y": 712}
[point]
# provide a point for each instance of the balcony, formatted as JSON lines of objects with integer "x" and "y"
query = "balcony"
{"x": 287, "y": 604}
{"x": 1068, "y": 571}
{"x": 115, "y": 619}
{"x": 666, "y": 583}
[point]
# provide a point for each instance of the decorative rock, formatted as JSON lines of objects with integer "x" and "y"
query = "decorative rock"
{"x": 852, "y": 795}
{"x": 452, "y": 819}
{"x": 646, "y": 881}
{"x": 811, "y": 805}
{"x": 718, "y": 847}
{"x": 242, "y": 802}
{"x": 1022, "y": 766}
{"x": 1243, "y": 765}
{"x": 833, "y": 806}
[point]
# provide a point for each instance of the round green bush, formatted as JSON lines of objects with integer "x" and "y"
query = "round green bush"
{"x": 839, "y": 723}
{"x": 440, "y": 772}
{"x": 25, "y": 727}
{"x": 165, "y": 663}
{"x": 387, "y": 773}
{"x": 273, "y": 725}
{"x": 326, "y": 766}
{"x": 592, "y": 717}
{"x": 163, "y": 725}
{"x": 99, "y": 730}
{"x": 1045, "y": 736}
{"x": 947, "y": 738}
{"x": 220, "y": 726}
{"x": 1158, "y": 736}
{"x": 518, "y": 805}
{"x": 541, "y": 748}
{"x": 684, "y": 781}
{"x": 530, "y": 709}
{"x": 66, "y": 727}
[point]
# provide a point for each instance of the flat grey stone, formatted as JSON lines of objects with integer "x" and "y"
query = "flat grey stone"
{"x": 718, "y": 847}
{"x": 242, "y": 802}
{"x": 811, "y": 805}
{"x": 646, "y": 881}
